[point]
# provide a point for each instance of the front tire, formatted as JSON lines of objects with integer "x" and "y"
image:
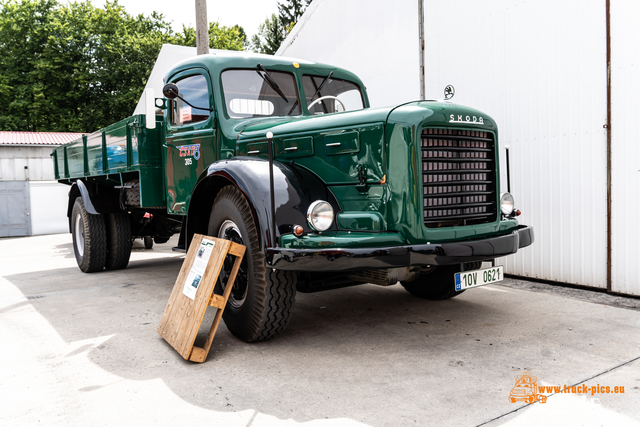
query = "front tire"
{"x": 89, "y": 238}
{"x": 148, "y": 242}
{"x": 260, "y": 303}
{"x": 438, "y": 284}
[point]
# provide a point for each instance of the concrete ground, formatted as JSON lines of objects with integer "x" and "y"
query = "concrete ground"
{"x": 82, "y": 349}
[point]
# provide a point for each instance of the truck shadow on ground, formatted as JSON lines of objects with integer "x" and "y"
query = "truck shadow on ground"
{"x": 343, "y": 351}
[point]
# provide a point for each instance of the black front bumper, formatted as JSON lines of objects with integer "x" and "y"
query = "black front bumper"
{"x": 399, "y": 256}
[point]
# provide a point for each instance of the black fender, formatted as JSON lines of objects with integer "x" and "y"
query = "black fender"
{"x": 97, "y": 199}
{"x": 78, "y": 189}
{"x": 295, "y": 189}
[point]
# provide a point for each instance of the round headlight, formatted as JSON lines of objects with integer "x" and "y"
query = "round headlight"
{"x": 320, "y": 215}
{"x": 506, "y": 203}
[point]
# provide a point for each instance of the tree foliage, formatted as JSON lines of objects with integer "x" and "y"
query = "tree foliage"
{"x": 76, "y": 67}
{"x": 290, "y": 12}
{"x": 271, "y": 34}
{"x": 275, "y": 28}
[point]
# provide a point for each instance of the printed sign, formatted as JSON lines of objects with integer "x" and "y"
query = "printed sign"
{"x": 192, "y": 150}
{"x": 185, "y": 114}
{"x": 197, "y": 269}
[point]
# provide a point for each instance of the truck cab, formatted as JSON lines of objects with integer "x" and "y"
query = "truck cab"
{"x": 286, "y": 157}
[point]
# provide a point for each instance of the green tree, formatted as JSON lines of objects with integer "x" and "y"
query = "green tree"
{"x": 220, "y": 37}
{"x": 275, "y": 28}
{"x": 271, "y": 34}
{"x": 290, "y": 12}
{"x": 76, "y": 67}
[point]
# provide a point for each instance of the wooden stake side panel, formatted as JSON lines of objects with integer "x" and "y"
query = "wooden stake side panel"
{"x": 183, "y": 316}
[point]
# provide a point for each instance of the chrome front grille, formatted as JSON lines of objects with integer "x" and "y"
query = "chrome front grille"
{"x": 458, "y": 177}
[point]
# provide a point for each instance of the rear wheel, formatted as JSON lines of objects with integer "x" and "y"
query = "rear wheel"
{"x": 118, "y": 240}
{"x": 148, "y": 242}
{"x": 438, "y": 283}
{"x": 89, "y": 238}
{"x": 260, "y": 302}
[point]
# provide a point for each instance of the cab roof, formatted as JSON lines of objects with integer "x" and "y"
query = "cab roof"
{"x": 220, "y": 60}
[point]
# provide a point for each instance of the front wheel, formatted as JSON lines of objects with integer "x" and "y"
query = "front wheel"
{"x": 261, "y": 299}
{"x": 89, "y": 238}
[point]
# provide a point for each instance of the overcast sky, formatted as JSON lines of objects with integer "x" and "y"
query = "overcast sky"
{"x": 249, "y": 14}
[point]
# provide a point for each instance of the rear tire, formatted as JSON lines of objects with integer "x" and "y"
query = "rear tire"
{"x": 260, "y": 303}
{"x": 439, "y": 284}
{"x": 118, "y": 240}
{"x": 148, "y": 242}
{"x": 89, "y": 238}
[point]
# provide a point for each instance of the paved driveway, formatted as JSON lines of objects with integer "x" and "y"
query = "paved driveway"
{"x": 82, "y": 349}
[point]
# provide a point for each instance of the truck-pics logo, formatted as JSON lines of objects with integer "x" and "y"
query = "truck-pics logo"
{"x": 192, "y": 150}
{"x": 526, "y": 389}
{"x": 470, "y": 120}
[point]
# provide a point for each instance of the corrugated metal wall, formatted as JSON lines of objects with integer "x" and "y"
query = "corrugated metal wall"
{"x": 15, "y": 219}
{"x": 376, "y": 41}
{"x": 625, "y": 135}
{"x": 37, "y": 160}
{"x": 539, "y": 69}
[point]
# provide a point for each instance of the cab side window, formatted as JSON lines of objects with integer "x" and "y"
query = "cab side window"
{"x": 193, "y": 89}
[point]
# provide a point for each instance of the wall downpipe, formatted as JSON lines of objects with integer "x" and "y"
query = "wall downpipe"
{"x": 421, "y": 45}
{"x": 608, "y": 128}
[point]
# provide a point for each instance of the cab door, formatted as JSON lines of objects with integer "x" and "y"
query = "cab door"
{"x": 190, "y": 137}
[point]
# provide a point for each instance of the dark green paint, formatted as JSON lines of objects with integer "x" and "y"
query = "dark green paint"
{"x": 361, "y": 221}
{"x": 342, "y": 239}
{"x": 385, "y": 141}
{"x": 121, "y": 152}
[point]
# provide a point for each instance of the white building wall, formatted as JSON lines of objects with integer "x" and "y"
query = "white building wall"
{"x": 625, "y": 135}
{"x": 169, "y": 56}
{"x": 539, "y": 69}
{"x": 48, "y": 200}
{"x": 375, "y": 40}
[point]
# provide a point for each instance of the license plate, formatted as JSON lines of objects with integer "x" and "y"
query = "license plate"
{"x": 475, "y": 278}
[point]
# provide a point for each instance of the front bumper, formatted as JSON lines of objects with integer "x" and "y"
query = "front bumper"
{"x": 399, "y": 256}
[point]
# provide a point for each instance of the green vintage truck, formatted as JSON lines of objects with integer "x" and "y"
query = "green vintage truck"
{"x": 286, "y": 157}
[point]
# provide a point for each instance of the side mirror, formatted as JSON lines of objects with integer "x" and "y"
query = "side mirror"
{"x": 170, "y": 91}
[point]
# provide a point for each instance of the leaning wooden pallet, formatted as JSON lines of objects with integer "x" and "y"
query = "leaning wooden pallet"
{"x": 193, "y": 292}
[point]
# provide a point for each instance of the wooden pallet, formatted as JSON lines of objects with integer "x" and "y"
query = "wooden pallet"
{"x": 183, "y": 316}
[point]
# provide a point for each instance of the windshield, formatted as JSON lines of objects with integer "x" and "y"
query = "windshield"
{"x": 335, "y": 95}
{"x": 249, "y": 93}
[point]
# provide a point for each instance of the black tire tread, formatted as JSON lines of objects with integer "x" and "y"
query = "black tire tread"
{"x": 132, "y": 194}
{"x": 274, "y": 290}
{"x": 95, "y": 244}
{"x": 118, "y": 241}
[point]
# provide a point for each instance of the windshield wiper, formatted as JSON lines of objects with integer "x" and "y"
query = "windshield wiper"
{"x": 267, "y": 78}
{"x": 326, "y": 79}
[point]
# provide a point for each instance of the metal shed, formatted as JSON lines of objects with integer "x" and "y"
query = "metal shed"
{"x": 31, "y": 201}
{"x": 561, "y": 80}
